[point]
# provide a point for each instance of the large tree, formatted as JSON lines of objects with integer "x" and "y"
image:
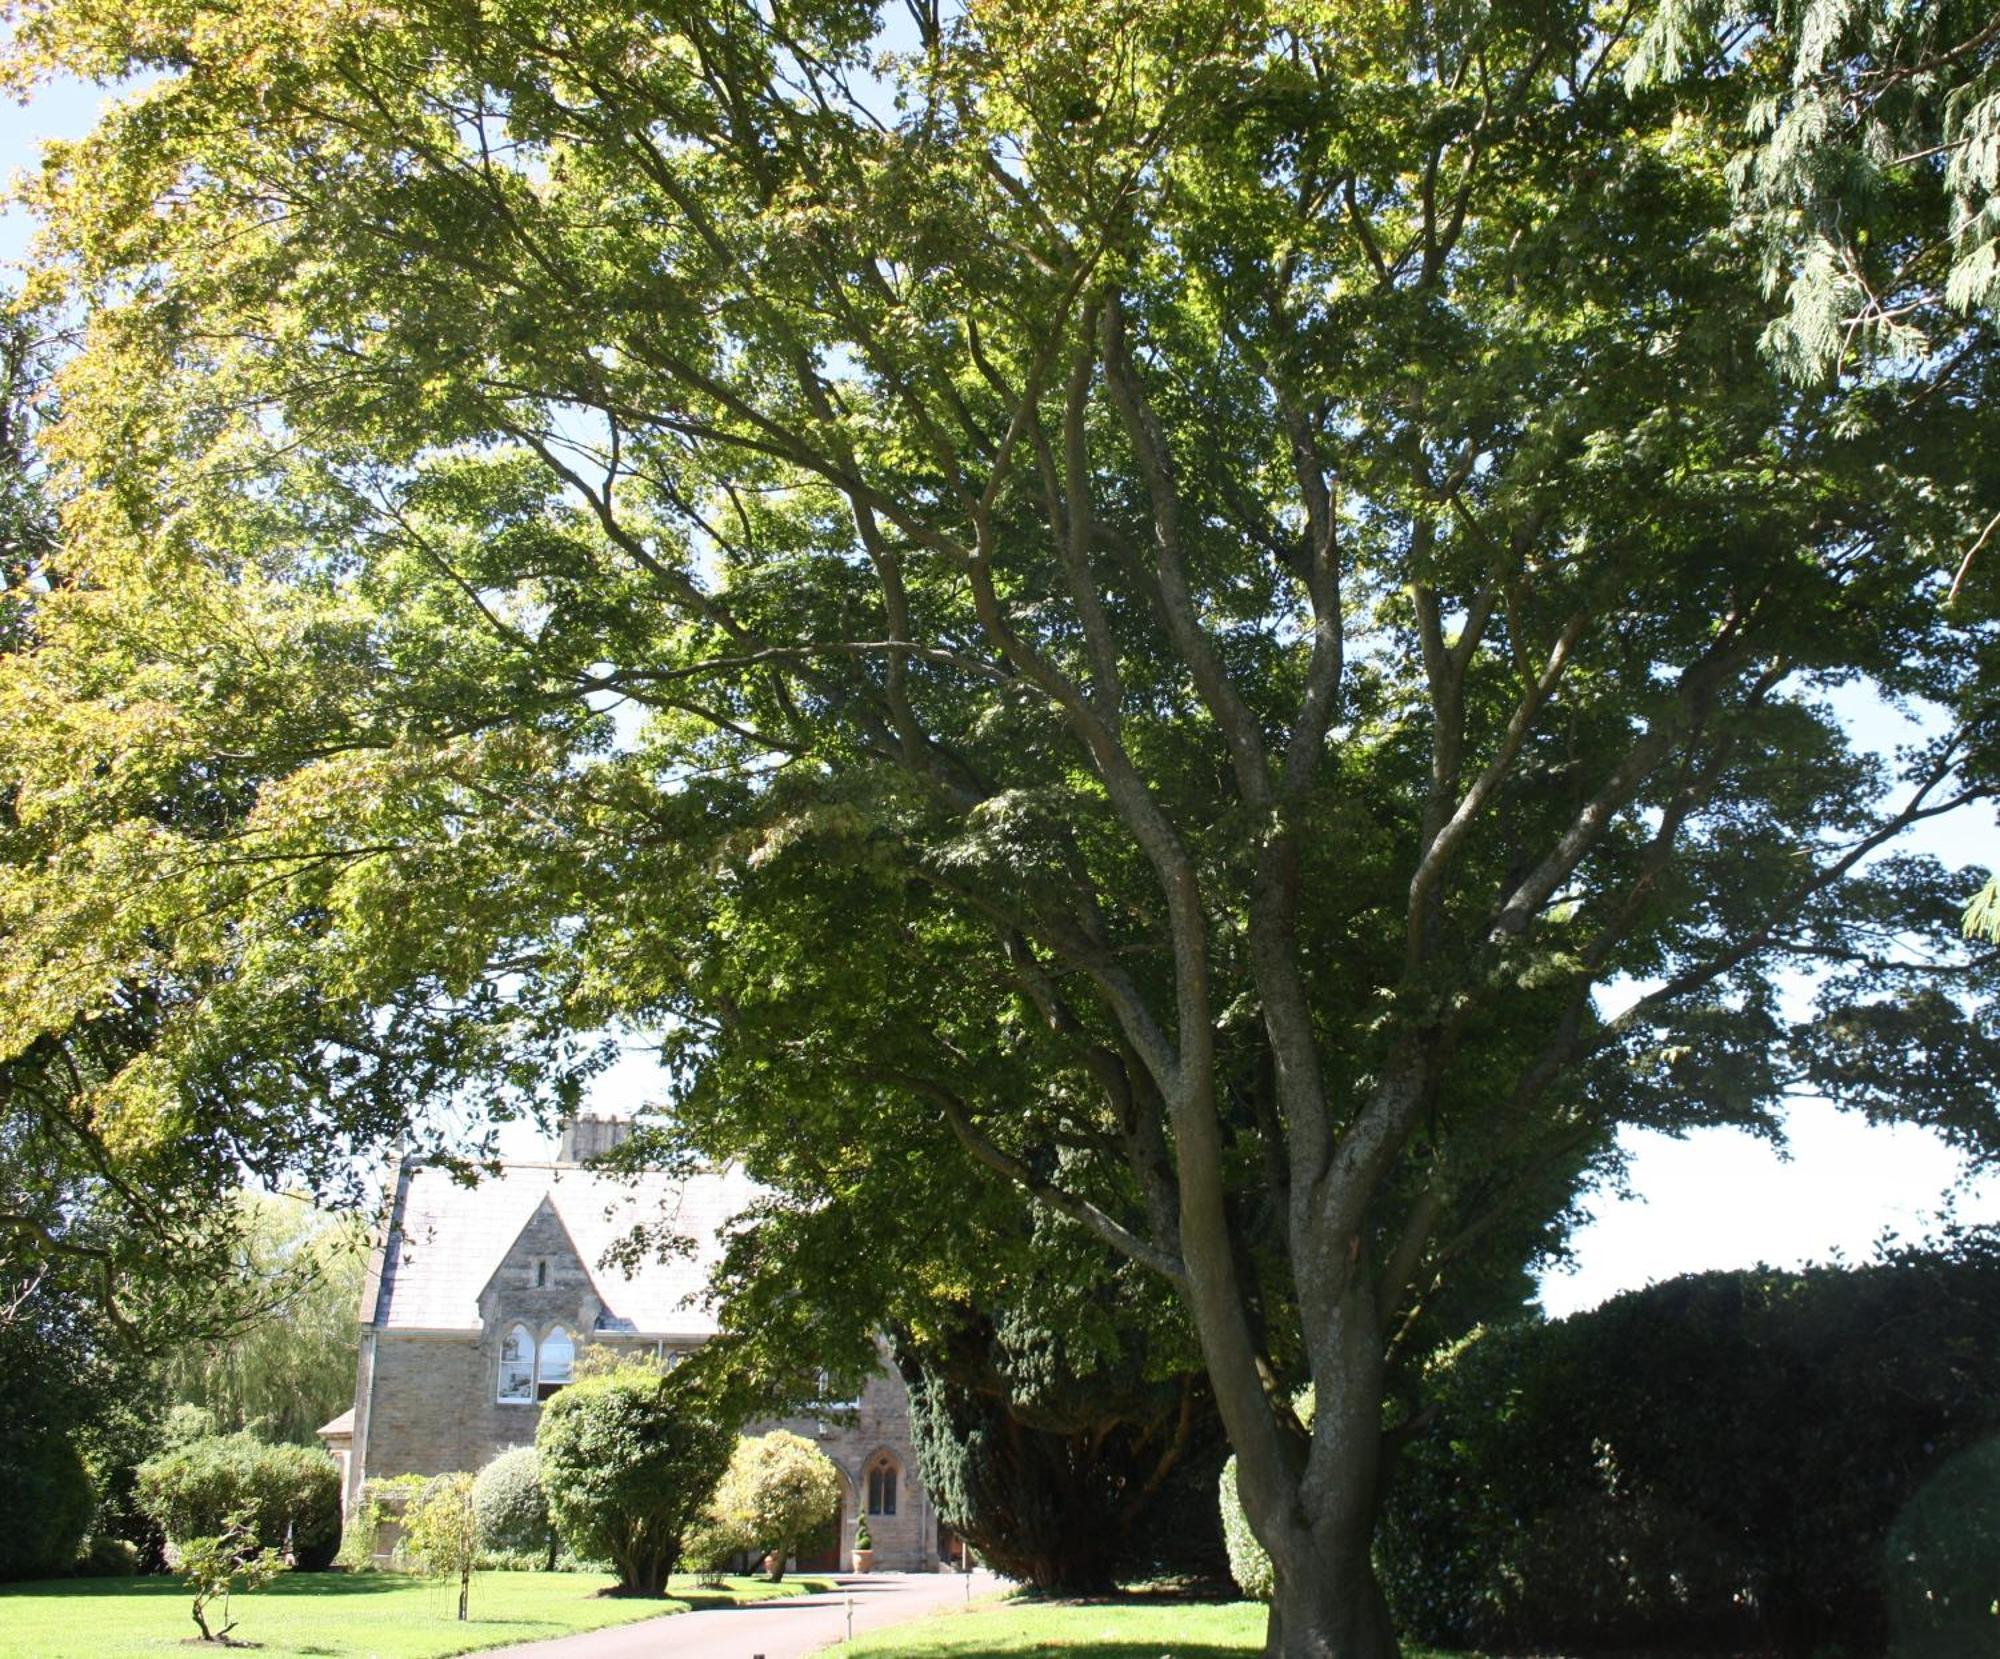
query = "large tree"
{"x": 1240, "y": 562}
{"x": 288, "y": 1366}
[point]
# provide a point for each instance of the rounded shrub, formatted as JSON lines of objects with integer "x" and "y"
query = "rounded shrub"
{"x": 45, "y": 1494}
{"x": 780, "y": 1488}
{"x": 630, "y": 1459}
{"x": 513, "y": 1510}
{"x": 1249, "y": 1563}
{"x": 291, "y": 1492}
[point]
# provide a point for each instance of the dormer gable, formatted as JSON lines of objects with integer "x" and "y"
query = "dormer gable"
{"x": 543, "y": 1279}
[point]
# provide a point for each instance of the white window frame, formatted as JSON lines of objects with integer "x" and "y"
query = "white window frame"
{"x": 522, "y": 1365}
{"x": 545, "y": 1385}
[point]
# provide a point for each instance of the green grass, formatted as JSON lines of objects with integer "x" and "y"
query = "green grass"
{"x": 1135, "y": 1628}
{"x": 335, "y": 1615}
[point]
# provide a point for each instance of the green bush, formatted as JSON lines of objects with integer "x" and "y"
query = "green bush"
{"x": 513, "y": 1510}
{"x": 1720, "y": 1461}
{"x": 779, "y": 1488}
{"x": 292, "y": 1494}
{"x": 381, "y": 1499}
{"x": 629, "y": 1460}
{"x": 1249, "y": 1564}
{"x": 46, "y": 1497}
{"x": 441, "y": 1533}
{"x": 1939, "y": 1566}
{"x": 103, "y": 1556}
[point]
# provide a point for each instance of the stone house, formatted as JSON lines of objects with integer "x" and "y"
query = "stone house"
{"x": 478, "y": 1299}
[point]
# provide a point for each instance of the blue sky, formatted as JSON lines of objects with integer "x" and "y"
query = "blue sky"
{"x": 1718, "y": 1198}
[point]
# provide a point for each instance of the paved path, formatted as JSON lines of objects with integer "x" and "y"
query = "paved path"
{"x": 783, "y": 1629}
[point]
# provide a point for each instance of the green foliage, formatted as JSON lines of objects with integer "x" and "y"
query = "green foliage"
{"x": 1940, "y": 1561}
{"x": 1249, "y": 1561}
{"x": 382, "y": 1498}
{"x": 289, "y": 1496}
{"x": 1872, "y": 159}
{"x": 1723, "y": 1461}
{"x": 715, "y": 1541}
{"x": 778, "y": 1488}
{"x": 863, "y": 1538}
{"x": 629, "y": 1461}
{"x": 1982, "y": 915}
{"x": 48, "y": 1503}
{"x": 107, "y": 1557}
{"x": 441, "y": 1532}
{"x": 1072, "y": 1490}
{"x": 56, "y": 1393}
{"x": 513, "y": 1510}
{"x": 215, "y": 1567}
{"x": 289, "y": 1366}
{"x": 184, "y": 1424}
{"x": 1183, "y": 586}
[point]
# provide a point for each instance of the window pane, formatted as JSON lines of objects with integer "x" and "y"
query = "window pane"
{"x": 558, "y": 1362}
{"x": 517, "y": 1366}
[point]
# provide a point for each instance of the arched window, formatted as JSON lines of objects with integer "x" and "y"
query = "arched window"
{"x": 517, "y": 1366}
{"x": 557, "y": 1366}
{"x": 882, "y": 1486}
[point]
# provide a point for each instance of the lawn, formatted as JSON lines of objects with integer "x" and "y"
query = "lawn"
{"x": 1139, "y": 1628}
{"x": 334, "y": 1615}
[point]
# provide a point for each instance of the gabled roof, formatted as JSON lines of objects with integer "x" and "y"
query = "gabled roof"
{"x": 342, "y": 1427}
{"x": 448, "y": 1240}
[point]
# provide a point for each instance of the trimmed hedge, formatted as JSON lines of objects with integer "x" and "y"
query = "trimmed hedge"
{"x": 1724, "y": 1461}
{"x": 513, "y": 1510}
{"x": 293, "y": 1494}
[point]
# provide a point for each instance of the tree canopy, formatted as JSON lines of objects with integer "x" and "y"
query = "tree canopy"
{"x": 1215, "y": 601}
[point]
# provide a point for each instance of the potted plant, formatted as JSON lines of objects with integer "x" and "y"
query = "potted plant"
{"x": 864, "y": 1546}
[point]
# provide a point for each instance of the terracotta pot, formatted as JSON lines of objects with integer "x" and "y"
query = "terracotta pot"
{"x": 864, "y": 1561}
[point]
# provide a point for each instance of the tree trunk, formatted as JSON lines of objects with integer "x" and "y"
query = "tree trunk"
{"x": 1316, "y": 1517}
{"x": 1334, "y": 1611}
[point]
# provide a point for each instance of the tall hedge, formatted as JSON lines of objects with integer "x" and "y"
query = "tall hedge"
{"x": 292, "y": 1492}
{"x": 1729, "y": 1460}
{"x": 629, "y": 1460}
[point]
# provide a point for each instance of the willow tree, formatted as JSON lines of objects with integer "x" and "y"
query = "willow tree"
{"x": 1238, "y": 563}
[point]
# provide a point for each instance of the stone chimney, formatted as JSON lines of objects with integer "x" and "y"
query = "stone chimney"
{"x": 587, "y": 1135}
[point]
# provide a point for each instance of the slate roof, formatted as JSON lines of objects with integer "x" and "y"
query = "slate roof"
{"x": 448, "y": 1240}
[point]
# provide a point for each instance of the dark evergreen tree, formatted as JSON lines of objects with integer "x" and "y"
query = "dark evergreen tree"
{"x": 1066, "y": 1482}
